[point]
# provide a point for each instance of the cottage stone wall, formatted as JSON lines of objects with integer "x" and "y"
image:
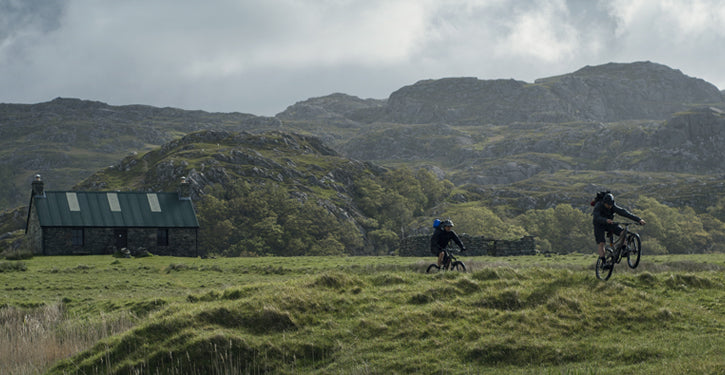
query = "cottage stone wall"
{"x": 100, "y": 241}
{"x": 419, "y": 246}
{"x": 34, "y": 234}
{"x": 57, "y": 241}
{"x": 182, "y": 243}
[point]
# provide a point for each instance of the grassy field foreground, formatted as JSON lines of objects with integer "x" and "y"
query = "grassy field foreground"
{"x": 360, "y": 315}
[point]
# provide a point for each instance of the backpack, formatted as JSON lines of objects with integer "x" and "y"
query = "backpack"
{"x": 600, "y": 196}
{"x": 436, "y": 223}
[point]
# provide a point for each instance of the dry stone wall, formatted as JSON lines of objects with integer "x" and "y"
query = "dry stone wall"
{"x": 419, "y": 246}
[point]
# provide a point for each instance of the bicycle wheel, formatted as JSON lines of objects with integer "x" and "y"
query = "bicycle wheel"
{"x": 602, "y": 273}
{"x": 433, "y": 268}
{"x": 458, "y": 266}
{"x": 634, "y": 247}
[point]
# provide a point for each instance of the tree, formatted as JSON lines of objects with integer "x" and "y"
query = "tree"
{"x": 562, "y": 229}
{"x": 679, "y": 230}
{"x": 477, "y": 220}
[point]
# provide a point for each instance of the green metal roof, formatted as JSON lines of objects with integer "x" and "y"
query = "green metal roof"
{"x": 114, "y": 209}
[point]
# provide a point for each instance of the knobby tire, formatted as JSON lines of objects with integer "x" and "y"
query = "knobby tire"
{"x": 458, "y": 266}
{"x": 455, "y": 266}
{"x": 634, "y": 247}
{"x": 603, "y": 274}
{"x": 433, "y": 268}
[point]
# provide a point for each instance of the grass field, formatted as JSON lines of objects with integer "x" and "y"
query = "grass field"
{"x": 361, "y": 315}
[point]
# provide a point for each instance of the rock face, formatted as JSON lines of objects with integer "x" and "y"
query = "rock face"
{"x": 336, "y": 108}
{"x": 616, "y": 92}
{"x": 471, "y": 101}
{"x": 607, "y": 93}
{"x": 690, "y": 142}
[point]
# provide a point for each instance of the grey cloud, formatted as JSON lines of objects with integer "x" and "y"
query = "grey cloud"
{"x": 18, "y": 16}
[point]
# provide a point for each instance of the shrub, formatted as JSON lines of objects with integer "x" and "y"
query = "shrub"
{"x": 18, "y": 254}
{"x": 12, "y": 266}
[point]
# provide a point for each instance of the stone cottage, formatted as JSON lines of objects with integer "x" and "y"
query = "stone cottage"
{"x": 91, "y": 222}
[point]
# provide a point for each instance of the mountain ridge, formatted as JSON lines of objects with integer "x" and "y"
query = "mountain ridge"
{"x": 605, "y": 93}
{"x": 520, "y": 149}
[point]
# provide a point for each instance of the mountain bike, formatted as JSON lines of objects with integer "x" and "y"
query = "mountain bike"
{"x": 450, "y": 262}
{"x": 628, "y": 245}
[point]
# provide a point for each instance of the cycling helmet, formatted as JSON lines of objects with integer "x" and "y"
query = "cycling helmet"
{"x": 608, "y": 199}
{"x": 447, "y": 223}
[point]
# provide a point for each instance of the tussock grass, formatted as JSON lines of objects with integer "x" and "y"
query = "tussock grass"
{"x": 33, "y": 339}
{"x": 526, "y": 315}
{"x": 13, "y": 266}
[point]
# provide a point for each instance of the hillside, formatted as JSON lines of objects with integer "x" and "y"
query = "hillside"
{"x": 66, "y": 140}
{"x": 640, "y": 129}
{"x": 661, "y": 158}
{"x": 634, "y": 128}
{"x": 278, "y": 193}
{"x": 640, "y": 116}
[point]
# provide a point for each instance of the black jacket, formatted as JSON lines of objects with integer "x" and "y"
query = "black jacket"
{"x": 602, "y": 213}
{"x": 440, "y": 240}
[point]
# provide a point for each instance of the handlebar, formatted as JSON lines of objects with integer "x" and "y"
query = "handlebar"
{"x": 625, "y": 223}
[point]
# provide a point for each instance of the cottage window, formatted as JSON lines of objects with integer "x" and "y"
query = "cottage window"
{"x": 72, "y": 201}
{"x": 76, "y": 237}
{"x": 153, "y": 202}
{"x": 162, "y": 237}
{"x": 113, "y": 202}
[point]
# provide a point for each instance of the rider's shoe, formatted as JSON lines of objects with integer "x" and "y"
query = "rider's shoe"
{"x": 606, "y": 264}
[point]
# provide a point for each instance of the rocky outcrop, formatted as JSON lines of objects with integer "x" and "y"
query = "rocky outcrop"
{"x": 466, "y": 101}
{"x": 339, "y": 109}
{"x": 641, "y": 90}
{"x": 689, "y": 142}
{"x": 607, "y": 93}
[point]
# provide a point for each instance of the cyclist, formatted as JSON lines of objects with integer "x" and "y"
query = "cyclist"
{"x": 603, "y": 214}
{"x": 439, "y": 241}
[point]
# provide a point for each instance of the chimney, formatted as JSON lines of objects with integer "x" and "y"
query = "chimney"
{"x": 38, "y": 186}
{"x": 184, "y": 189}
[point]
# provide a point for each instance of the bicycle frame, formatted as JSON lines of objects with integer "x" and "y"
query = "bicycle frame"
{"x": 621, "y": 240}
{"x": 616, "y": 250}
{"x": 448, "y": 258}
{"x": 450, "y": 262}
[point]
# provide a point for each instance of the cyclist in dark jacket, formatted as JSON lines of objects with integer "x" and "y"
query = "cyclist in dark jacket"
{"x": 603, "y": 216}
{"x": 440, "y": 239}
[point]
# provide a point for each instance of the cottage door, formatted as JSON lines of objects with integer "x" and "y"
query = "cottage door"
{"x": 121, "y": 238}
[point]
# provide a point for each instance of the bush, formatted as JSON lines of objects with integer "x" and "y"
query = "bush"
{"x": 13, "y": 266}
{"x": 18, "y": 254}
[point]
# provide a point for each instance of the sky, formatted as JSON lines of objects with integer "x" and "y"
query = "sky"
{"x": 261, "y": 56}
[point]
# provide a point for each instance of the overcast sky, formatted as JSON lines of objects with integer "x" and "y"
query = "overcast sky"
{"x": 260, "y": 56}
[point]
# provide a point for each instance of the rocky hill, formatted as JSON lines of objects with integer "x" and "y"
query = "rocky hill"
{"x": 606, "y": 93}
{"x": 276, "y": 193}
{"x": 66, "y": 140}
{"x": 212, "y": 157}
{"x": 637, "y": 127}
